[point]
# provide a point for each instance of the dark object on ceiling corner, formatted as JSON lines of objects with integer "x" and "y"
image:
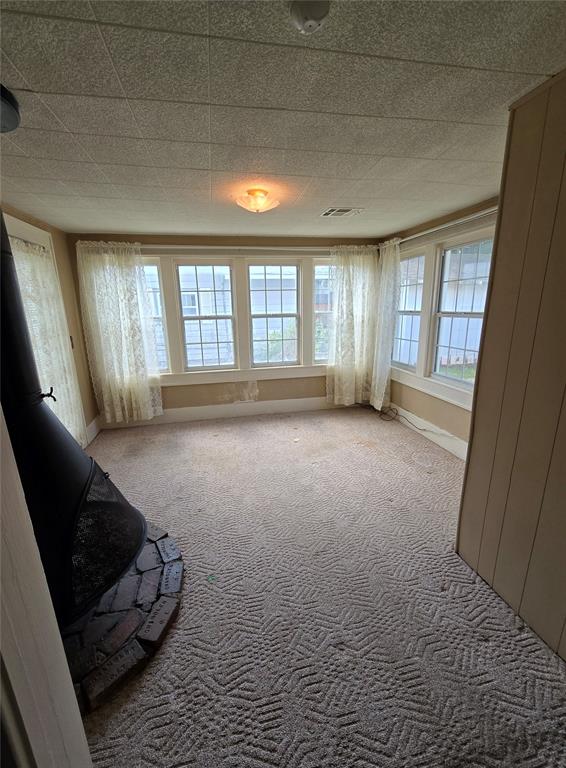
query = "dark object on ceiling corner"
{"x": 9, "y": 111}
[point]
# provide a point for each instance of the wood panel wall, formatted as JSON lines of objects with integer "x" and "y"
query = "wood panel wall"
{"x": 513, "y": 515}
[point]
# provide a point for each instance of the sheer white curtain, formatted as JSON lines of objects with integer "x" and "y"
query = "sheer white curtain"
{"x": 366, "y": 294}
{"x": 119, "y": 331}
{"x": 47, "y": 324}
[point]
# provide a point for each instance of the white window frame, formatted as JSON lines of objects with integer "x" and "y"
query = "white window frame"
{"x": 255, "y": 262}
{"x": 423, "y": 377}
{"x": 315, "y": 264}
{"x": 411, "y": 254}
{"x": 196, "y": 262}
{"x": 239, "y": 259}
{"x": 155, "y": 262}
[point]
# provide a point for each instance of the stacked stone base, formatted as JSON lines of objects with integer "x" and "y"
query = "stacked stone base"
{"x": 120, "y": 635}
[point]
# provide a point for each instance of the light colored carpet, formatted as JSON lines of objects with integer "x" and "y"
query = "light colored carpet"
{"x": 326, "y": 620}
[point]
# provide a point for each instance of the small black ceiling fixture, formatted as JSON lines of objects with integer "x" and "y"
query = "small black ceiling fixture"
{"x": 308, "y": 16}
{"x": 9, "y": 111}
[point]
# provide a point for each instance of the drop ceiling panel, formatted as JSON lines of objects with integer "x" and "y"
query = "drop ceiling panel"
{"x": 159, "y": 64}
{"x": 191, "y": 18}
{"x": 514, "y": 36}
{"x": 133, "y": 119}
{"x": 176, "y": 121}
{"x": 59, "y": 55}
{"x": 307, "y": 79}
{"x": 93, "y": 114}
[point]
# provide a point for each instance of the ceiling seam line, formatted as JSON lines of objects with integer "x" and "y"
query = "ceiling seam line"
{"x": 264, "y": 108}
{"x": 225, "y": 38}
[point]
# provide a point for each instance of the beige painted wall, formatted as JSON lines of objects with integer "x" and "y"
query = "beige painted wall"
{"x": 232, "y": 392}
{"x": 444, "y": 415}
{"x": 66, "y": 267}
{"x": 512, "y": 521}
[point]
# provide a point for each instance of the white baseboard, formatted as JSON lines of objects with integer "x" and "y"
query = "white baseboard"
{"x": 92, "y": 430}
{"x": 231, "y": 410}
{"x": 451, "y": 443}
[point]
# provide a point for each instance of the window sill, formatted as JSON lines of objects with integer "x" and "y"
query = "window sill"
{"x": 460, "y": 396}
{"x": 225, "y": 375}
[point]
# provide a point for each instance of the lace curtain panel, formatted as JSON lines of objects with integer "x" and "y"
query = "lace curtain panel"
{"x": 366, "y": 291}
{"x": 119, "y": 331}
{"x": 47, "y": 325}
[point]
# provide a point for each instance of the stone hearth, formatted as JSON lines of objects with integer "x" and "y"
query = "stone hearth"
{"x": 120, "y": 635}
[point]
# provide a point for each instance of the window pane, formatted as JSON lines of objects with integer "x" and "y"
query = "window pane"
{"x": 205, "y": 279}
{"x": 463, "y": 291}
{"x": 155, "y": 308}
{"x": 289, "y": 327}
{"x": 273, "y": 302}
{"x": 258, "y": 302}
{"x": 260, "y": 351}
{"x": 259, "y": 328}
{"x": 275, "y": 328}
{"x": 194, "y": 356}
{"x": 290, "y": 351}
{"x": 273, "y": 292}
{"x": 416, "y": 328}
{"x": 275, "y": 351}
{"x": 206, "y": 293}
{"x": 187, "y": 278}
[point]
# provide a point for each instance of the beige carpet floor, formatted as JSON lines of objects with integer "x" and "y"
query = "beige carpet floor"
{"x": 326, "y": 620}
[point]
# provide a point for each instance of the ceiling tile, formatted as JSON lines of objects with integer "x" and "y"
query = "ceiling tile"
{"x": 395, "y": 189}
{"x": 37, "y": 186}
{"x": 183, "y": 177}
{"x": 464, "y": 172}
{"x": 291, "y": 162}
{"x": 115, "y": 149}
{"x": 131, "y": 175}
{"x": 514, "y": 36}
{"x": 475, "y": 142}
{"x": 328, "y": 132}
{"x": 35, "y": 114}
{"x": 359, "y": 85}
{"x": 59, "y": 55}
{"x": 67, "y": 171}
{"x": 22, "y": 167}
{"x": 159, "y": 64}
{"x": 136, "y": 192}
{"x": 172, "y": 120}
{"x": 9, "y": 147}
{"x": 92, "y": 114}
{"x": 73, "y": 9}
{"x": 11, "y": 78}
{"x": 53, "y": 145}
{"x": 92, "y": 189}
{"x": 179, "y": 154}
{"x": 190, "y": 17}
{"x": 24, "y": 201}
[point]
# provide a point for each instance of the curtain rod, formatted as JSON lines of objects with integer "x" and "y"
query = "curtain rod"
{"x": 235, "y": 248}
{"x": 449, "y": 224}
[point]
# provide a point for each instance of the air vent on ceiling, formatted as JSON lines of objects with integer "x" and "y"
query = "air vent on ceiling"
{"x": 341, "y": 212}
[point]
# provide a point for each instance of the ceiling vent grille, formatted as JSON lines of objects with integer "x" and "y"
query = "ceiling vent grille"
{"x": 340, "y": 212}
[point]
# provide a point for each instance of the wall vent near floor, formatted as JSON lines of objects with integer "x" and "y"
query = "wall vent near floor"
{"x": 341, "y": 212}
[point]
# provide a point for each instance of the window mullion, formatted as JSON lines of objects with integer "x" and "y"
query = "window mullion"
{"x": 305, "y": 324}
{"x": 427, "y": 339}
{"x": 241, "y": 313}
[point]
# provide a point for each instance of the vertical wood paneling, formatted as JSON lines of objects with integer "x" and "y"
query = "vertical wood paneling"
{"x": 534, "y": 269}
{"x": 513, "y": 513}
{"x": 522, "y": 161}
{"x": 539, "y": 420}
{"x": 543, "y": 605}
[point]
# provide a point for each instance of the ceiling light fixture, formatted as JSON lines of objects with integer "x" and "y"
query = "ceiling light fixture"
{"x": 257, "y": 201}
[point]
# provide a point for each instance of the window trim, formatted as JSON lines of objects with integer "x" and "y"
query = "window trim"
{"x": 155, "y": 262}
{"x": 317, "y": 262}
{"x": 423, "y": 377}
{"x": 283, "y": 262}
{"x": 212, "y": 261}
